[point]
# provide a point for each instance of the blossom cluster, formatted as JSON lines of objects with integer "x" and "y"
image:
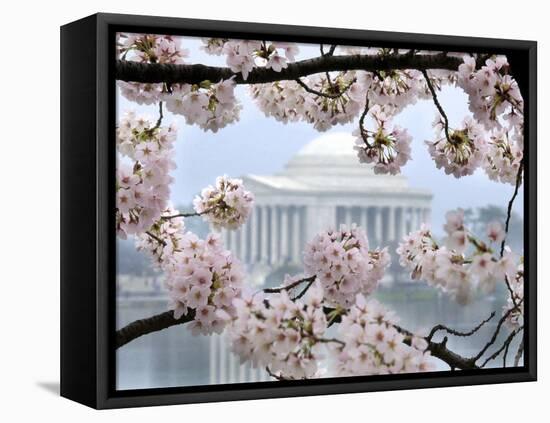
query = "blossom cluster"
{"x": 287, "y": 101}
{"x": 148, "y": 48}
{"x": 462, "y": 152}
{"x": 503, "y": 158}
{"x": 227, "y": 204}
{"x": 343, "y": 264}
{"x": 462, "y": 264}
{"x": 515, "y": 304}
{"x": 387, "y": 147}
{"x": 200, "y": 274}
{"x": 211, "y": 106}
{"x": 372, "y": 344}
{"x": 242, "y": 56}
{"x": 496, "y": 103}
{"x": 396, "y": 88}
{"x": 494, "y": 95}
{"x": 143, "y": 172}
{"x": 283, "y": 335}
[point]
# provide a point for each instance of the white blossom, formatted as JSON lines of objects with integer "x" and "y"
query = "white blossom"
{"x": 342, "y": 262}
{"x": 227, "y": 204}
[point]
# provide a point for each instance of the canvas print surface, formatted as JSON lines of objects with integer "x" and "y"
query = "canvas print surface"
{"x": 293, "y": 211}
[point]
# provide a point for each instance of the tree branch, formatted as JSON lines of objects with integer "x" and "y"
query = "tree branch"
{"x": 294, "y": 284}
{"x": 322, "y": 94}
{"x": 440, "y": 351}
{"x": 505, "y": 345}
{"x": 196, "y": 73}
{"x": 156, "y": 238}
{"x": 148, "y": 325}
{"x": 454, "y": 332}
{"x": 161, "y": 115}
{"x": 510, "y": 206}
{"x": 519, "y": 352}
{"x": 496, "y": 332}
{"x": 437, "y": 104}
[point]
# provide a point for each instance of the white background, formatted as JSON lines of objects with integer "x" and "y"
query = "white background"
{"x": 29, "y": 212}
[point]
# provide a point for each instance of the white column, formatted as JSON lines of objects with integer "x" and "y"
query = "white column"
{"x": 214, "y": 358}
{"x": 391, "y": 223}
{"x": 365, "y": 219}
{"x": 346, "y": 215}
{"x": 427, "y": 216}
{"x": 274, "y": 236}
{"x": 223, "y": 360}
{"x": 284, "y": 233}
{"x": 244, "y": 241}
{"x": 253, "y": 235}
{"x": 417, "y": 219}
{"x": 264, "y": 234}
{"x": 402, "y": 223}
{"x": 233, "y": 363}
{"x": 242, "y": 373}
{"x": 378, "y": 225}
{"x": 252, "y": 374}
{"x": 296, "y": 235}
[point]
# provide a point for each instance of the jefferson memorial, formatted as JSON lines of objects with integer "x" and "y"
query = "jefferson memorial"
{"x": 323, "y": 186}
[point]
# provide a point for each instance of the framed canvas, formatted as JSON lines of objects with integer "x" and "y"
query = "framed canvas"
{"x": 258, "y": 211}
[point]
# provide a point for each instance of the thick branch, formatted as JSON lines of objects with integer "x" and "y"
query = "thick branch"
{"x": 148, "y": 325}
{"x": 194, "y": 74}
{"x": 440, "y": 350}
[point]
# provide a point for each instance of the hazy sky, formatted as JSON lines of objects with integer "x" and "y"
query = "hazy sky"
{"x": 260, "y": 145}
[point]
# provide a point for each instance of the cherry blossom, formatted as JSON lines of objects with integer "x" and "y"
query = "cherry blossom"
{"x": 284, "y": 335}
{"x": 225, "y": 205}
{"x": 462, "y": 152}
{"x": 372, "y": 344}
{"x": 210, "y": 106}
{"x": 386, "y": 147}
{"x": 148, "y": 48}
{"x": 242, "y": 56}
{"x": 200, "y": 274}
{"x": 493, "y": 93}
{"x": 342, "y": 262}
{"x": 514, "y": 306}
{"x": 143, "y": 172}
{"x": 503, "y": 158}
{"x": 462, "y": 264}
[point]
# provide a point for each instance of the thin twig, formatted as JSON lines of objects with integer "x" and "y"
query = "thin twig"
{"x": 519, "y": 353}
{"x": 322, "y": 94}
{"x": 302, "y": 293}
{"x": 159, "y": 121}
{"x": 156, "y": 238}
{"x": 289, "y": 286}
{"x": 273, "y": 375}
{"x": 189, "y": 214}
{"x": 505, "y": 355}
{"x": 495, "y": 334}
{"x": 510, "y": 205}
{"x": 437, "y": 104}
{"x": 506, "y": 342}
{"x": 362, "y": 129}
{"x": 454, "y": 332}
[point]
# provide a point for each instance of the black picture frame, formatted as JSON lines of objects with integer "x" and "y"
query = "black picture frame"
{"x": 87, "y": 205}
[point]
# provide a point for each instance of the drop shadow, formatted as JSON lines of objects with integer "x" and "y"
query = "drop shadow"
{"x": 51, "y": 387}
